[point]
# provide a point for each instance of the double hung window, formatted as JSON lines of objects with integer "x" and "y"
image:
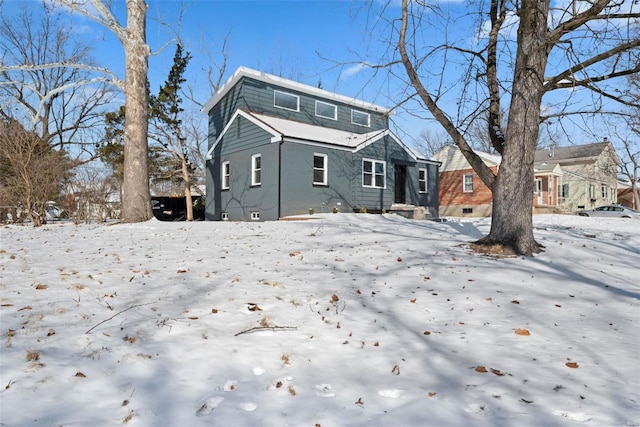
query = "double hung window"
{"x": 256, "y": 169}
{"x": 319, "y": 169}
{"x": 373, "y": 173}
{"x": 422, "y": 180}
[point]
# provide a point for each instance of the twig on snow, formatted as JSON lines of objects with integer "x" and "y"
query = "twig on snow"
{"x": 117, "y": 314}
{"x": 266, "y": 328}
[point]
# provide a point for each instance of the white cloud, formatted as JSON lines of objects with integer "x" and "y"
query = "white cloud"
{"x": 353, "y": 70}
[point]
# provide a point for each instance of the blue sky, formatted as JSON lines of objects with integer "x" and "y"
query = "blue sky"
{"x": 308, "y": 41}
{"x": 313, "y": 42}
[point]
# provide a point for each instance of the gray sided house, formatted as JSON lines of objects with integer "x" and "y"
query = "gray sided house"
{"x": 279, "y": 148}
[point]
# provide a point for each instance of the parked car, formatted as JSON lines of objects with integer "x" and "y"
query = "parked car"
{"x": 612, "y": 211}
{"x": 175, "y": 208}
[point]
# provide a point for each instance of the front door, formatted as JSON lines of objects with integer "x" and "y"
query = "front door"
{"x": 400, "y": 187}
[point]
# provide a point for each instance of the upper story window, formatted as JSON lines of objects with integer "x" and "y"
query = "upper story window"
{"x": 467, "y": 183}
{"x": 320, "y": 169}
{"x": 326, "y": 110}
{"x": 360, "y": 118}
{"x": 422, "y": 180}
{"x": 256, "y": 169}
{"x": 373, "y": 173}
{"x": 286, "y": 100}
{"x": 225, "y": 174}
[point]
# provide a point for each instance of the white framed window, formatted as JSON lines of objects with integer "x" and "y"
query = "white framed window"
{"x": 373, "y": 173}
{"x": 605, "y": 191}
{"x": 422, "y": 181}
{"x": 255, "y": 216}
{"x": 285, "y": 100}
{"x": 319, "y": 169}
{"x": 467, "y": 183}
{"x": 360, "y": 118}
{"x": 326, "y": 110}
{"x": 225, "y": 174}
{"x": 563, "y": 191}
{"x": 592, "y": 191}
{"x": 256, "y": 169}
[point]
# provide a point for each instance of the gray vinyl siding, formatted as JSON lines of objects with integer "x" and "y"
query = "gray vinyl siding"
{"x": 259, "y": 96}
{"x": 242, "y": 198}
{"x": 300, "y": 194}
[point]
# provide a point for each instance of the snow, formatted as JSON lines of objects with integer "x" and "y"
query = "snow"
{"x": 341, "y": 320}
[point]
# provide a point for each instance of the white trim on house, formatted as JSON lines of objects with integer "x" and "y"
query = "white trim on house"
{"x": 288, "y": 84}
{"x": 324, "y": 169}
{"x": 302, "y": 133}
{"x": 334, "y": 116}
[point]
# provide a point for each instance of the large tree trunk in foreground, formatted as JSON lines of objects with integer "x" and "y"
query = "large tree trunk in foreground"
{"x": 511, "y": 222}
{"x": 136, "y": 203}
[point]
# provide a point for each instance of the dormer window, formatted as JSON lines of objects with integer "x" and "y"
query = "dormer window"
{"x": 326, "y": 110}
{"x": 285, "y": 100}
{"x": 360, "y": 118}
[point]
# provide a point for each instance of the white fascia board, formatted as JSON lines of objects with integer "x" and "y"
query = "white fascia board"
{"x": 276, "y": 136}
{"x": 289, "y": 84}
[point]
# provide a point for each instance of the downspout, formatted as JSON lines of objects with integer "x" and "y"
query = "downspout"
{"x": 280, "y": 175}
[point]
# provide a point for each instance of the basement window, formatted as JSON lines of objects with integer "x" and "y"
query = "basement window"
{"x": 255, "y": 216}
{"x": 467, "y": 210}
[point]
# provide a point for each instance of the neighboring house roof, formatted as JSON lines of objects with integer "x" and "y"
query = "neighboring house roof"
{"x": 452, "y": 158}
{"x": 574, "y": 153}
{"x": 285, "y": 83}
{"x": 292, "y": 131}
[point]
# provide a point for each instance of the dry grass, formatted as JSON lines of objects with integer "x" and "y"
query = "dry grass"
{"x": 33, "y": 356}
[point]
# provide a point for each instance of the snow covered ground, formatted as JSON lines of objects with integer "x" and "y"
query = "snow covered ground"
{"x": 343, "y": 320}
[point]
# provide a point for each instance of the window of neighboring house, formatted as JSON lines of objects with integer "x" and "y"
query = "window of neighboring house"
{"x": 286, "y": 100}
{"x": 225, "y": 173}
{"x": 605, "y": 191}
{"x": 422, "y": 180}
{"x": 256, "y": 169}
{"x": 592, "y": 191}
{"x": 373, "y": 173}
{"x": 319, "y": 169}
{"x": 360, "y": 118}
{"x": 467, "y": 210}
{"x": 563, "y": 191}
{"x": 328, "y": 111}
{"x": 538, "y": 185}
{"x": 467, "y": 183}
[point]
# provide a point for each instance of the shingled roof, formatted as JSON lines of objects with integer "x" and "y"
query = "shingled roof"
{"x": 574, "y": 152}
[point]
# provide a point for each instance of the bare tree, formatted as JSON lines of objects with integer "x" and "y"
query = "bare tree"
{"x": 136, "y": 199}
{"x": 630, "y": 142}
{"x": 578, "y": 48}
{"x": 430, "y": 141}
{"x": 23, "y": 177}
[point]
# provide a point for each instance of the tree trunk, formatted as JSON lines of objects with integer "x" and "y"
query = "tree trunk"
{"x": 136, "y": 203}
{"x": 511, "y": 222}
{"x": 187, "y": 189}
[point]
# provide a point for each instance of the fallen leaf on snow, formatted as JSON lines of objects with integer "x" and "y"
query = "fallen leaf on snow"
{"x": 497, "y": 372}
{"x": 524, "y": 332}
{"x": 412, "y": 300}
{"x": 571, "y": 365}
{"x": 334, "y": 298}
{"x": 41, "y": 287}
{"x": 481, "y": 368}
{"x": 432, "y": 393}
{"x": 80, "y": 375}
